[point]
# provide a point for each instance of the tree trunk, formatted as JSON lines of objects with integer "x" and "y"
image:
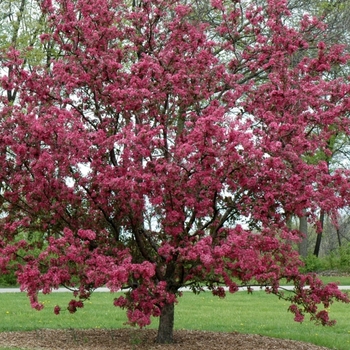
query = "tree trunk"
{"x": 338, "y": 235}
{"x": 303, "y": 243}
{"x": 319, "y": 235}
{"x": 166, "y": 324}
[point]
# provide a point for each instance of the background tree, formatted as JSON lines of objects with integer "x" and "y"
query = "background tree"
{"x": 160, "y": 150}
{"x": 21, "y": 23}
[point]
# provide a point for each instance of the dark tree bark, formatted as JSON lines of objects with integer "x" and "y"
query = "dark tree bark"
{"x": 319, "y": 235}
{"x": 303, "y": 243}
{"x": 338, "y": 235}
{"x": 166, "y": 324}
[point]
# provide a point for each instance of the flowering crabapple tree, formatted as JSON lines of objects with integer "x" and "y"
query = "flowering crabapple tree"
{"x": 164, "y": 149}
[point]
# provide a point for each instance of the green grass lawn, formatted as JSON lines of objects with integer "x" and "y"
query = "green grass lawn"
{"x": 257, "y": 313}
{"x": 342, "y": 280}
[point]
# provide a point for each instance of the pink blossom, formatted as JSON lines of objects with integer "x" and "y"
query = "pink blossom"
{"x": 87, "y": 234}
{"x": 57, "y": 310}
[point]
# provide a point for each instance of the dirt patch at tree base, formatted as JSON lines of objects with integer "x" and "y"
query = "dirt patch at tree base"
{"x": 130, "y": 339}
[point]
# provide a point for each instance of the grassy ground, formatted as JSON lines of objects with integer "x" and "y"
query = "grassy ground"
{"x": 257, "y": 313}
{"x": 342, "y": 280}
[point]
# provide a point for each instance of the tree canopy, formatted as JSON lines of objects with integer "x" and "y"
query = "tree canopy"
{"x": 165, "y": 145}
